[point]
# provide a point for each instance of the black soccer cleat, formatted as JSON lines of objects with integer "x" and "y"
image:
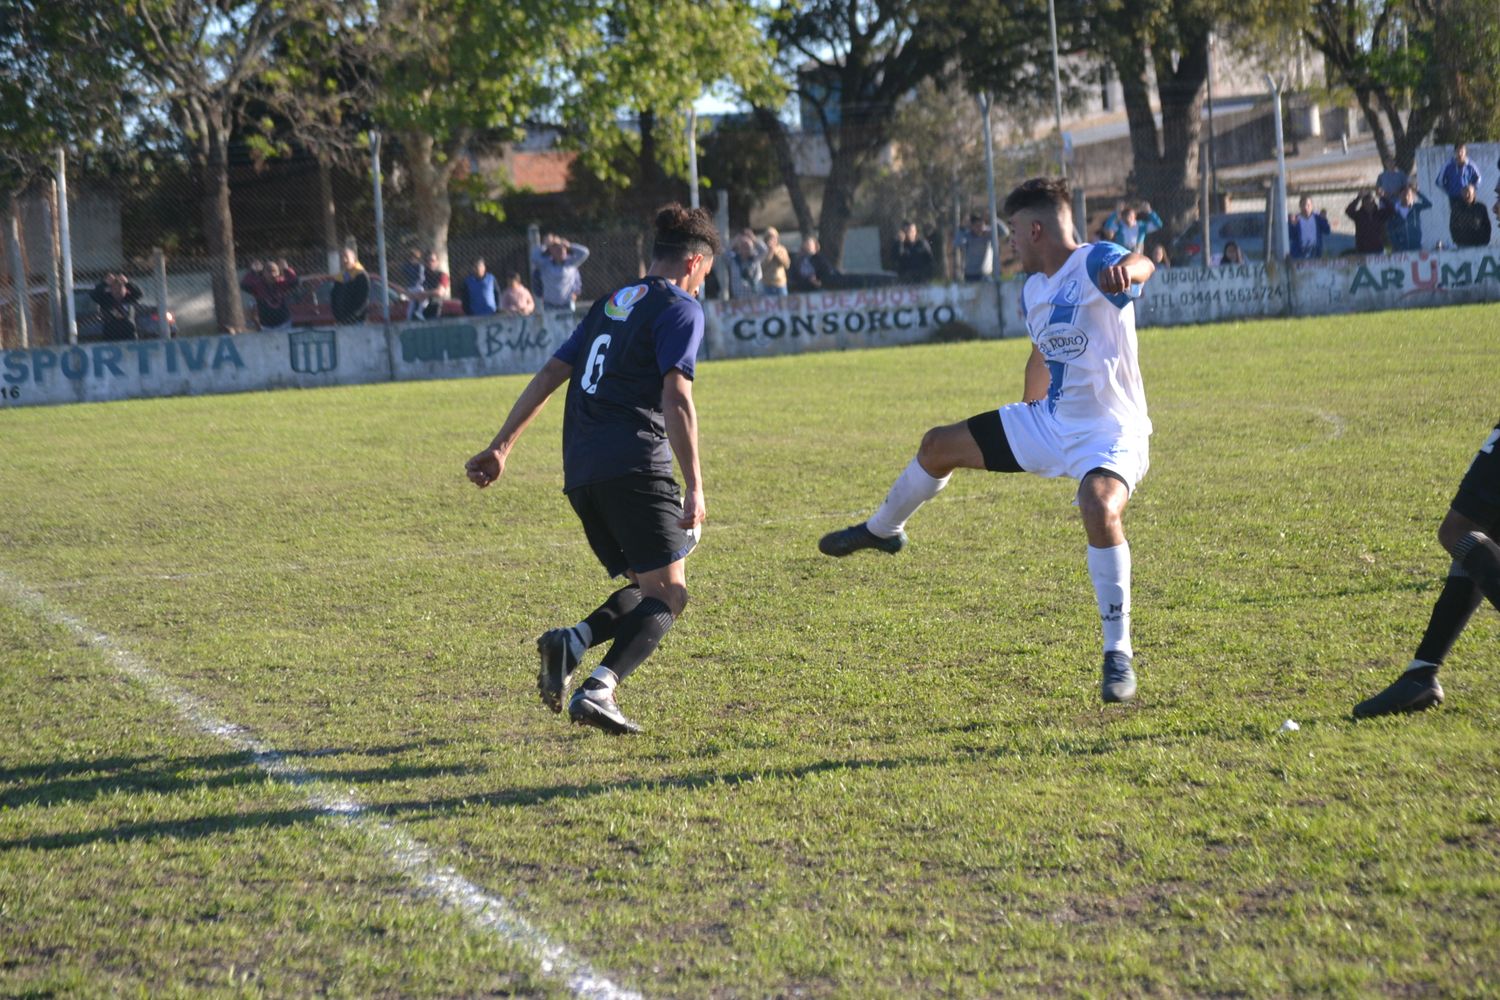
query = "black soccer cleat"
{"x": 856, "y": 537}
{"x": 1406, "y": 694}
{"x": 559, "y": 650}
{"x": 1119, "y": 679}
{"x": 598, "y": 709}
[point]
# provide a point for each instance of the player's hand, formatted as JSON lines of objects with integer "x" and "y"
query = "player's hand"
{"x": 485, "y": 467}
{"x": 1114, "y": 279}
{"x": 694, "y": 512}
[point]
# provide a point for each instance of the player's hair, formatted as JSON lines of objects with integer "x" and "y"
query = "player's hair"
{"x": 1039, "y": 192}
{"x": 684, "y": 232}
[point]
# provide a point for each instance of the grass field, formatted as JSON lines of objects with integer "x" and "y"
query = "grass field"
{"x": 876, "y": 777}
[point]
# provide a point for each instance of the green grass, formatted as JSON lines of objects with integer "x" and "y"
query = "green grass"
{"x": 875, "y": 777}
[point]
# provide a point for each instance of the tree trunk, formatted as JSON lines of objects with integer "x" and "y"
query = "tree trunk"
{"x": 782, "y": 145}
{"x": 844, "y": 176}
{"x": 429, "y": 188}
{"x": 19, "y": 278}
{"x": 1174, "y": 192}
{"x": 329, "y": 214}
{"x": 218, "y": 230}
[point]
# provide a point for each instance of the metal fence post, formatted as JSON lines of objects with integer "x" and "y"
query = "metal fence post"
{"x": 69, "y": 313}
{"x": 385, "y": 287}
{"x": 18, "y": 276}
{"x": 159, "y": 264}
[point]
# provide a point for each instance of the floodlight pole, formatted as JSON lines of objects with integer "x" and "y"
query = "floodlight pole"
{"x": 1283, "y": 240}
{"x": 989, "y": 178}
{"x": 385, "y": 287}
{"x": 70, "y": 313}
{"x": 692, "y": 141}
{"x": 1062, "y": 149}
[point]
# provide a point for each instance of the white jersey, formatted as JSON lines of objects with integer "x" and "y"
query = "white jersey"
{"x": 1088, "y": 341}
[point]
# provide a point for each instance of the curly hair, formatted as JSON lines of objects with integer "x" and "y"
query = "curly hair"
{"x": 684, "y": 232}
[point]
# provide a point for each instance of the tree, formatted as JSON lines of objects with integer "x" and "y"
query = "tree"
{"x": 1466, "y": 41}
{"x": 739, "y": 161}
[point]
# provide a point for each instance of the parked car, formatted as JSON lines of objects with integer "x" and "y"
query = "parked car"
{"x": 310, "y": 305}
{"x": 1248, "y": 229}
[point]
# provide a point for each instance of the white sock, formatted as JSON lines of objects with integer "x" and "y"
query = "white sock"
{"x": 1418, "y": 665}
{"x": 1110, "y": 571}
{"x": 604, "y": 676}
{"x": 912, "y": 489}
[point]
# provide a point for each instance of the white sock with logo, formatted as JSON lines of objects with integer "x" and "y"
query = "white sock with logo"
{"x": 1110, "y": 570}
{"x": 912, "y": 489}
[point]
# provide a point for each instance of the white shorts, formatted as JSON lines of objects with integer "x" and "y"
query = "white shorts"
{"x": 1040, "y": 447}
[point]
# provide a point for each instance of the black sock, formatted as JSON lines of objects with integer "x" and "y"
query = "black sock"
{"x": 1480, "y": 558}
{"x": 1455, "y": 605}
{"x": 604, "y": 620}
{"x": 637, "y": 636}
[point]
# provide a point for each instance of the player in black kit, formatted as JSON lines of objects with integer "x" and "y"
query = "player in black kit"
{"x": 1468, "y": 533}
{"x": 629, "y": 368}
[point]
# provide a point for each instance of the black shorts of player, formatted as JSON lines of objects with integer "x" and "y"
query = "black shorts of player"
{"x": 631, "y": 522}
{"x": 989, "y": 434}
{"x": 1478, "y": 496}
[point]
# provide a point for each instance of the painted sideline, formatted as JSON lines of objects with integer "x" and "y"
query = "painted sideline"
{"x": 405, "y": 854}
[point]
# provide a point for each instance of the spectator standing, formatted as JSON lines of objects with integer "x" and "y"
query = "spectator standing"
{"x": 745, "y": 255}
{"x": 914, "y": 258}
{"x": 413, "y": 274}
{"x": 1405, "y": 224}
{"x": 556, "y": 262}
{"x": 976, "y": 247}
{"x": 1307, "y": 230}
{"x": 116, "y": 296}
{"x": 1135, "y": 225}
{"x": 1458, "y": 173}
{"x": 812, "y": 271}
{"x": 1232, "y": 254}
{"x": 1468, "y": 222}
{"x": 516, "y": 298}
{"x": 479, "y": 295}
{"x": 1110, "y": 230}
{"x": 775, "y": 266}
{"x": 270, "y": 282}
{"x": 351, "y": 289}
{"x": 1370, "y": 213}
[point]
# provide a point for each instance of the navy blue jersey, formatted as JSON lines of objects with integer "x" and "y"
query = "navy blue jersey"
{"x": 613, "y": 425}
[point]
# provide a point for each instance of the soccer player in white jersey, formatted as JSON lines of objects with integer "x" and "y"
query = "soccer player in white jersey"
{"x": 1083, "y": 412}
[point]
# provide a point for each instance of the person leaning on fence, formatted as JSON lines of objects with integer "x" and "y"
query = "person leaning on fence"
{"x": 516, "y": 299}
{"x": 270, "y": 282}
{"x": 478, "y": 293}
{"x": 351, "y": 289}
{"x": 812, "y": 271}
{"x": 775, "y": 265}
{"x": 1232, "y": 254}
{"x": 435, "y": 287}
{"x": 1369, "y": 212}
{"x": 913, "y": 256}
{"x": 116, "y": 296}
{"x": 1468, "y": 222}
{"x": 977, "y": 248}
{"x": 745, "y": 256}
{"x": 556, "y": 262}
{"x": 1306, "y": 231}
{"x": 1404, "y": 227}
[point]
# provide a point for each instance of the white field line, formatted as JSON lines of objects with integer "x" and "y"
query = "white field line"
{"x": 404, "y": 853}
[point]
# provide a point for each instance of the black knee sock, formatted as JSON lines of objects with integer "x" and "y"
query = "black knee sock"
{"x": 1480, "y": 558}
{"x": 1455, "y": 605}
{"x": 604, "y": 621}
{"x": 637, "y": 636}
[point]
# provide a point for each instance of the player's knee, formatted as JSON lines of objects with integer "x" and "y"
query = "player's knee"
{"x": 932, "y": 453}
{"x": 1454, "y": 527}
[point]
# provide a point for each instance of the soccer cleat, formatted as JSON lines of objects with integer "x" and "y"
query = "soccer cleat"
{"x": 597, "y": 708}
{"x": 1119, "y": 678}
{"x": 559, "y": 650}
{"x": 1406, "y": 694}
{"x": 856, "y": 537}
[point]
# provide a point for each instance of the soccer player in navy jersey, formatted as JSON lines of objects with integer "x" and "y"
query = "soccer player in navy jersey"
{"x": 629, "y": 369}
{"x": 1468, "y": 533}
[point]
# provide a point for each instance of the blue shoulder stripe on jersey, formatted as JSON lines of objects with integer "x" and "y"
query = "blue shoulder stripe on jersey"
{"x": 1057, "y": 371}
{"x": 1062, "y": 313}
{"x": 1104, "y": 255}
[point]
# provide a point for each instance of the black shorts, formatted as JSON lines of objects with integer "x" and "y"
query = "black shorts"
{"x": 989, "y": 434}
{"x": 1478, "y": 496}
{"x": 631, "y": 522}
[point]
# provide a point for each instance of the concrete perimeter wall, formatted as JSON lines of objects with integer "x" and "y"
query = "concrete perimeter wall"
{"x": 834, "y": 320}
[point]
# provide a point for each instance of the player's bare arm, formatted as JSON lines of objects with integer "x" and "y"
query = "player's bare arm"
{"x": 489, "y": 465}
{"x": 1034, "y": 388}
{"x": 1133, "y": 270}
{"x": 682, "y": 433}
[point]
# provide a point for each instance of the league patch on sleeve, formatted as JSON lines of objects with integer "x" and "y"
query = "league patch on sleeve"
{"x": 623, "y": 301}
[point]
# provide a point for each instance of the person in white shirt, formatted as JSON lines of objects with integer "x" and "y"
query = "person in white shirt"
{"x": 1082, "y": 414}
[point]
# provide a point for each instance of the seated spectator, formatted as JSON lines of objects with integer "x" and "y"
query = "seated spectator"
{"x": 775, "y": 265}
{"x": 435, "y": 287}
{"x": 746, "y": 252}
{"x": 478, "y": 294}
{"x": 271, "y": 281}
{"x": 1307, "y": 230}
{"x": 1468, "y": 222}
{"x": 556, "y": 262}
{"x": 116, "y": 296}
{"x": 1404, "y": 227}
{"x": 1370, "y": 213}
{"x": 516, "y": 299}
{"x": 1231, "y": 254}
{"x": 351, "y": 289}
{"x": 913, "y": 256}
{"x": 413, "y": 273}
{"x": 812, "y": 270}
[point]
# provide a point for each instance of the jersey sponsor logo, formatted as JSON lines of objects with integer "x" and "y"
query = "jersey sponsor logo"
{"x": 623, "y": 301}
{"x": 1062, "y": 343}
